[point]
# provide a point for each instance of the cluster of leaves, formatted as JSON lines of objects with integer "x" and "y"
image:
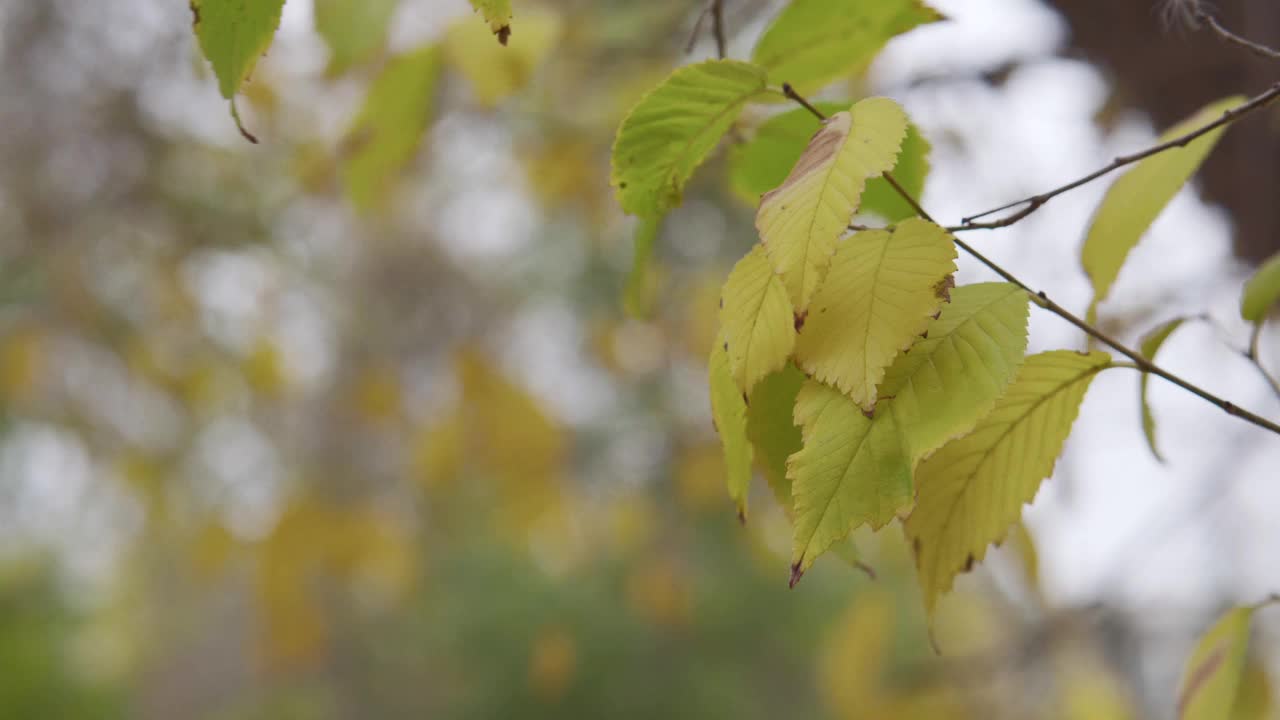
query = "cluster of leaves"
{"x": 848, "y": 367}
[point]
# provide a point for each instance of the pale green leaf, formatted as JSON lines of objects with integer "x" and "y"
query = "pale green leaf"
{"x": 386, "y": 133}
{"x": 972, "y": 489}
{"x": 945, "y": 383}
{"x": 756, "y": 319}
{"x": 232, "y": 35}
{"x": 1212, "y": 674}
{"x": 853, "y": 470}
{"x": 729, "y": 412}
{"x": 813, "y": 42}
{"x": 673, "y": 128}
{"x": 637, "y": 297}
{"x": 497, "y": 13}
{"x": 800, "y": 220}
{"x": 883, "y": 289}
{"x": 1135, "y": 200}
{"x": 1150, "y": 346}
{"x": 495, "y": 72}
{"x": 1262, "y": 292}
{"x": 770, "y": 428}
{"x": 762, "y": 163}
{"x": 354, "y": 30}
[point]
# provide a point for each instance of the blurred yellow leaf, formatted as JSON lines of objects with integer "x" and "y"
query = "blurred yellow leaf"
{"x": 552, "y": 663}
{"x": 851, "y": 662}
{"x": 493, "y": 70}
{"x": 21, "y": 361}
{"x": 658, "y": 591}
{"x": 699, "y": 475}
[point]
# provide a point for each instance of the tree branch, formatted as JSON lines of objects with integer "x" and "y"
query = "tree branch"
{"x": 1040, "y": 298}
{"x": 1035, "y": 202}
{"x": 1256, "y": 48}
{"x": 716, "y": 11}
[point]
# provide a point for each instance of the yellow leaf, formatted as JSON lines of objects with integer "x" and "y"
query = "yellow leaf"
{"x": 729, "y": 413}
{"x": 800, "y": 220}
{"x": 1212, "y": 674}
{"x": 494, "y": 71}
{"x": 552, "y": 663}
{"x": 756, "y": 315}
{"x": 972, "y": 489}
{"x": 1135, "y": 200}
{"x": 883, "y": 289}
{"x": 497, "y": 14}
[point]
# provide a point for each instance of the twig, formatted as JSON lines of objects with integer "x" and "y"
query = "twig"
{"x": 716, "y": 11}
{"x": 1041, "y": 299}
{"x": 1256, "y": 48}
{"x": 1034, "y": 202}
{"x": 717, "y": 28}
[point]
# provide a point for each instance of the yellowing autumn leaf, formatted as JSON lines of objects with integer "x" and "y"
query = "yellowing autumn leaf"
{"x": 493, "y": 71}
{"x": 668, "y": 134}
{"x": 800, "y": 220}
{"x": 945, "y": 383}
{"x": 1135, "y": 200}
{"x": 757, "y": 320}
{"x": 729, "y": 412}
{"x": 1209, "y": 682}
{"x": 497, "y": 14}
{"x": 882, "y": 290}
{"x": 853, "y": 470}
{"x": 972, "y": 489}
{"x": 1262, "y": 291}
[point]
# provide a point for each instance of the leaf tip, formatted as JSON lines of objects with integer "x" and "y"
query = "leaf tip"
{"x": 796, "y": 573}
{"x": 503, "y": 33}
{"x": 742, "y": 515}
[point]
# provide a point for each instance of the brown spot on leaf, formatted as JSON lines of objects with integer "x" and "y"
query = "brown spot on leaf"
{"x": 799, "y": 319}
{"x": 968, "y": 563}
{"x": 503, "y": 34}
{"x": 1199, "y": 677}
{"x": 742, "y": 516}
{"x": 721, "y": 303}
{"x": 822, "y": 147}
{"x": 870, "y": 414}
{"x": 943, "y": 288}
{"x": 915, "y": 546}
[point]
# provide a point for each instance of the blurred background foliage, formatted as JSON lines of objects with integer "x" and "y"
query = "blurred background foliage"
{"x": 352, "y": 423}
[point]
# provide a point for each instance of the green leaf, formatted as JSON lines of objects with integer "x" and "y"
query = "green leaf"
{"x": 883, "y": 289}
{"x": 800, "y": 220}
{"x": 945, "y": 383}
{"x": 1135, "y": 200}
{"x": 853, "y": 470}
{"x": 972, "y": 489}
{"x": 762, "y": 163}
{"x": 674, "y": 127}
{"x": 387, "y": 131}
{"x": 813, "y": 42}
{"x": 497, "y": 13}
{"x": 353, "y": 29}
{"x": 232, "y": 34}
{"x": 757, "y": 320}
{"x": 729, "y": 412}
{"x": 771, "y": 431}
{"x": 1212, "y": 674}
{"x": 1262, "y": 292}
{"x": 1150, "y": 346}
{"x": 637, "y": 298}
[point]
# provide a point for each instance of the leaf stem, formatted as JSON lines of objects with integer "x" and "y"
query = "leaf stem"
{"x": 1040, "y": 298}
{"x": 1035, "y": 202}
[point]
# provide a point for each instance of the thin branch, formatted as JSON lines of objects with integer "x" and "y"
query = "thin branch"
{"x": 714, "y": 10}
{"x": 717, "y": 28}
{"x": 1035, "y": 202}
{"x": 1041, "y": 299}
{"x": 1256, "y": 48}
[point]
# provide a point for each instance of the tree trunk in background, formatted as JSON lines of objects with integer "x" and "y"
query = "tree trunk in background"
{"x": 1170, "y": 72}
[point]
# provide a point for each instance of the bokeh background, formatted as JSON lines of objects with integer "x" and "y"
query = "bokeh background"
{"x": 332, "y": 428}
